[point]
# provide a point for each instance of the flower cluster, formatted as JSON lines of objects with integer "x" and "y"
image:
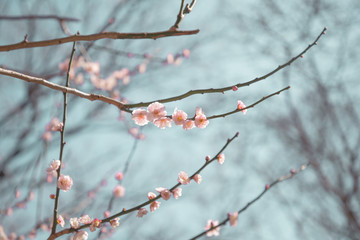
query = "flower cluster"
{"x": 53, "y": 126}
{"x": 156, "y": 114}
{"x": 214, "y": 232}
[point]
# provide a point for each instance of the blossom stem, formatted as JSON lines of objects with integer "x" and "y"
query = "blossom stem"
{"x": 62, "y": 143}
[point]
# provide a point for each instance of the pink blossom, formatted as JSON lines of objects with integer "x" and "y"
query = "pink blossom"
{"x": 81, "y": 235}
{"x": 140, "y": 117}
{"x": 54, "y": 125}
{"x": 165, "y": 193}
{"x": 60, "y": 220}
{"x": 92, "y": 67}
{"x": 47, "y": 136}
{"x": 119, "y": 176}
{"x": 119, "y": 191}
{"x": 64, "y": 182}
{"x": 151, "y": 195}
{"x": 74, "y": 223}
{"x": 177, "y": 193}
{"x": 79, "y": 79}
{"x": 197, "y": 178}
{"x": 17, "y": 193}
{"x": 163, "y": 122}
{"x": 169, "y": 59}
{"x": 240, "y": 106}
{"x": 179, "y": 117}
{"x": 106, "y": 214}
{"x": 141, "y": 67}
{"x": 31, "y": 196}
{"x": 12, "y": 236}
{"x": 141, "y": 212}
{"x": 9, "y": 211}
{"x": 221, "y": 158}
{"x": 234, "y": 88}
{"x": 114, "y": 222}
{"x": 207, "y": 158}
{"x": 210, "y": 224}
{"x": 183, "y": 178}
{"x": 233, "y": 218}
{"x": 188, "y": 124}
{"x": 52, "y": 196}
{"x": 54, "y": 166}
{"x": 32, "y": 234}
{"x": 155, "y": 110}
{"x": 21, "y": 204}
{"x": 154, "y": 205}
{"x": 200, "y": 119}
{"x": 186, "y": 53}
{"x": 85, "y": 219}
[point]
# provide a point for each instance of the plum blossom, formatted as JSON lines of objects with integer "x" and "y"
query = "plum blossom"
{"x": 163, "y": 122}
{"x": 186, "y": 53}
{"x": 179, "y": 117}
{"x": 140, "y": 117}
{"x": 141, "y": 212}
{"x": 151, "y": 195}
{"x": 210, "y": 224}
{"x": 119, "y": 176}
{"x": 54, "y": 166}
{"x": 74, "y": 223}
{"x": 154, "y": 205}
{"x": 95, "y": 224}
{"x": 207, "y": 158}
{"x": 188, "y": 124}
{"x": 183, "y": 178}
{"x": 85, "y": 219}
{"x": 114, "y": 222}
{"x": 165, "y": 193}
{"x": 233, "y": 218}
{"x": 221, "y": 158}
{"x": 106, "y": 214}
{"x": 119, "y": 191}
{"x": 177, "y": 193}
{"x": 47, "y": 136}
{"x": 64, "y": 182}
{"x": 60, "y": 220}
{"x": 54, "y": 125}
{"x": 155, "y": 111}
{"x": 240, "y": 106}
{"x": 81, "y": 235}
{"x": 197, "y": 178}
{"x": 200, "y": 119}
{"x": 235, "y": 88}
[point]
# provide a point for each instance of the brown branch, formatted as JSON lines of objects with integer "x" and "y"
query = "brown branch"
{"x": 91, "y": 97}
{"x": 188, "y": 8}
{"x": 292, "y": 173}
{"x": 35, "y": 17}
{"x": 124, "y": 211}
{"x": 224, "y": 89}
{"x": 62, "y": 143}
{"x": 93, "y": 37}
{"x": 250, "y": 106}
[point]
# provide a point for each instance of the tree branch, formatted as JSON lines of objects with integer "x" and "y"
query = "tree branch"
{"x": 93, "y": 37}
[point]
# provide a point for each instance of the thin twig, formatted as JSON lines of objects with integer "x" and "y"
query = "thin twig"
{"x": 267, "y": 187}
{"x": 224, "y": 89}
{"x": 62, "y": 143}
{"x": 183, "y": 10}
{"x": 70, "y": 230}
{"x": 94, "y": 37}
{"x": 36, "y": 17}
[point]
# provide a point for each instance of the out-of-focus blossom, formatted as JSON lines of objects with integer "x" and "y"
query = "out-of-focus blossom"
{"x": 140, "y": 117}
{"x": 210, "y": 224}
{"x": 54, "y": 166}
{"x": 151, "y": 195}
{"x": 141, "y": 212}
{"x": 106, "y": 214}
{"x": 81, "y": 235}
{"x": 177, "y": 192}
{"x": 188, "y": 124}
{"x": 186, "y": 53}
{"x": 119, "y": 176}
{"x": 54, "y": 125}
{"x": 64, "y": 182}
{"x": 119, "y": 191}
{"x": 183, "y": 178}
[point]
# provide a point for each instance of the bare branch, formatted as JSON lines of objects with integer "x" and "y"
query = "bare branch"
{"x": 94, "y": 37}
{"x": 35, "y": 17}
{"x": 292, "y": 173}
{"x": 224, "y": 89}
